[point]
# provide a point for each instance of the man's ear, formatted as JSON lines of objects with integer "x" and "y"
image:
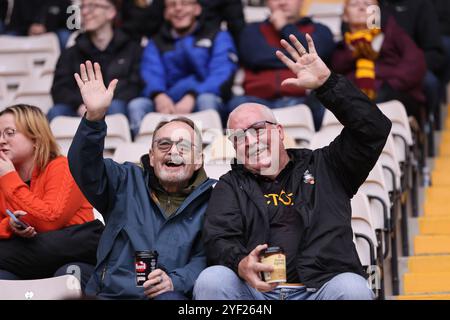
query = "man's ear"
{"x": 112, "y": 13}
{"x": 198, "y": 10}
{"x": 198, "y": 161}
{"x": 281, "y": 131}
{"x": 151, "y": 156}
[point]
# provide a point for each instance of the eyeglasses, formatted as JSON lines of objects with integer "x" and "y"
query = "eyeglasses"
{"x": 237, "y": 136}
{"x": 8, "y": 133}
{"x": 184, "y": 3}
{"x": 93, "y": 6}
{"x": 165, "y": 144}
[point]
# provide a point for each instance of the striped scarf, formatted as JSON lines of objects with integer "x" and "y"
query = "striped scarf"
{"x": 365, "y": 64}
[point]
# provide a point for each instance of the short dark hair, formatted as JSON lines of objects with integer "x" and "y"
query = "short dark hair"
{"x": 189, "y": 122}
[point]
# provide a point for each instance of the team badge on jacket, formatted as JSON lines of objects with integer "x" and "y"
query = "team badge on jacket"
{"x": 308, "y": 177}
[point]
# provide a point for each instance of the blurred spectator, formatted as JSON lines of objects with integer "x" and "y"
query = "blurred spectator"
{"x": 36, "y": 185}
{"x": 142, "y": 18}
{"x": 3, "y": 13}
{"x": 231, "y": 11}
{"x": 419, "y": 19}
{"x": 34, "y": 17}
{"x": 188, "y": 66}
{"x": 264, "y": 72}
{"x": 101, "y": 43}
{"x": 384, "y": 63}
{"x": 443, "y": 11}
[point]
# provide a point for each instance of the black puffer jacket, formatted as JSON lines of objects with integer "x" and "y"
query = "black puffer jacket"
{"x": 120, "y": 60}
{"x": 237, "y": 218}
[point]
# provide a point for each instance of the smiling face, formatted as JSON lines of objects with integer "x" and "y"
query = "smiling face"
{"x": 261, "y": 146}
{"x": 13, "y": 143}
{"x": 355, "y": 13}
{"x": 173, "y": 155}
{"x": 96, "y": 14}
{"x": 182, "y": 14}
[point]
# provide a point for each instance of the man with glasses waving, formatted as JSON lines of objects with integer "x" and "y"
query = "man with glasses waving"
{"x": 296, "y": 199}
{"x": 158, "y": 206}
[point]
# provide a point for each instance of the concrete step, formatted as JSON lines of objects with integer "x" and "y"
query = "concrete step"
{"x": 434, "y": 225}
{"x": 431, "y": 244}
{"x": 424, "y": 283}
{"x": 429, "y": 264}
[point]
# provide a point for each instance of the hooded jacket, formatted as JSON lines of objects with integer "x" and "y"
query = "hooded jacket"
{"x": 237, "y": 217}
{"x": 134, "y": 222}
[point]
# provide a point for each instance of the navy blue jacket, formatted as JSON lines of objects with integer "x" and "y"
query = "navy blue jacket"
{"x": 203, "y": 62}
{"x": 133, "y": 221}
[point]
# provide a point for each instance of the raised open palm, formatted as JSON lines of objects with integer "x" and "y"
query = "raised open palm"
{"x": 96, "y": 97}
{"x": 311, "y": 71}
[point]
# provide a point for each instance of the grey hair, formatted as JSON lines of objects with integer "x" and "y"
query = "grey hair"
{"x": 266, "y": 112}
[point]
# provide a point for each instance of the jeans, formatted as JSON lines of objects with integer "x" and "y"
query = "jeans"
{"x": 317, "y": 109}
{"x": 85, "y": 272}
{"x": 221, "y": 283}
{"x": 171, "y": 295}
{"x": 117, "y": 106}
{"x": 139, "y": 107}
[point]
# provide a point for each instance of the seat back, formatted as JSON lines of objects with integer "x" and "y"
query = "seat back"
{"x": 297, "y": 122}
{"x": 65, "y": 287}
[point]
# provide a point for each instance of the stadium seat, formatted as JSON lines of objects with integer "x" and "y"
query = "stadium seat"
{"x": 64, "y": 129}
{"x": 401, "y": 130}
{"x": 207, "y": 121}
{"x": 366, "y": 241}
{"x": 65, "y": 287}
{"x": 220, "y": 151}
{"x": 98, "y": 216}
{"x": 35, "y": 91}
{"x": 390, "y": 164}
{"x": 297, "y": 122}
{"x": 118, "y": 131}
{"x": 324, "y": 137}
{"x": 256, "y": 14}
{"x": 215, "y": 171}
{"x": 328, "y": 13}
{"x": 329, "y": 119}
{"x": 131, "y": 152}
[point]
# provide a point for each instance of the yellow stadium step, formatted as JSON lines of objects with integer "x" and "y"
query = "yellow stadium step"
{"x": 437, "y": 195}
{"x": 429, "y": 264}
{"x": 425, "y": 297}
{"x": 433, "y": 209}
{"x": 441, "y": 178}
{"x": 432, "y": 244}
{"x": 434, "y": 225}
{"x": 441, "y": 163}
{"x": 423, "y": 283}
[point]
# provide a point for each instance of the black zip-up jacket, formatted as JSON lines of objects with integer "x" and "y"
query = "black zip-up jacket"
{"x": 120, "y": 60}
{"x": 237, "y": 216}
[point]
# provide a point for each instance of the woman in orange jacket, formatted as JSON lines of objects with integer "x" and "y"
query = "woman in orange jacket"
{"x": 37, "y": 187}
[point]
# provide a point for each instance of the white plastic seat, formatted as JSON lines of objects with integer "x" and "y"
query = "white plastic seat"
{"x": 65, "y": 287}
{"x": 35, "y": 91}
{"x": 255, "y": 14}
{"x": 131, "y": 152}
{"x": 401, "y": 130}
{"x": 297, "y": 122}
{"x": 329, "y": 119}
{"x": 207, "y": 121}
{"x": 324, "y": 136}
{"x": 328, "y": 13}
{"x": 64, "y": 129}
{"x": 118, "y": 131}
{"x": 390, "y": 164}
{"x": 47, "y": 42}
{"x": 220, "y": 151}
{"x": 215, "y": 171}
{"x": 375, "y": 186}
{"x": 362, "y": 224}
{"x": 98, "y": 216}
